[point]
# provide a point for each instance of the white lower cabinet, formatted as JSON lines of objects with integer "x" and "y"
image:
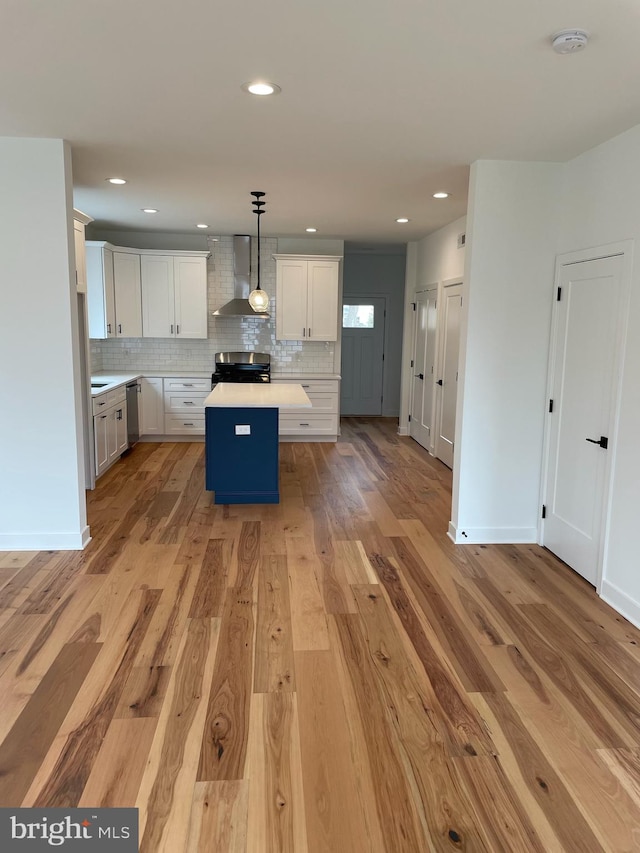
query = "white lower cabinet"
{"x": 109, "y": 428}
{"x": 184, "y": 398}
{"x": 151, "y": 406}
{"x": 321, "y": 421}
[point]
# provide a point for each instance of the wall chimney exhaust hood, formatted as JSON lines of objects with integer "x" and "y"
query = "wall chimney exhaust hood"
{"x": 239, "y": 305}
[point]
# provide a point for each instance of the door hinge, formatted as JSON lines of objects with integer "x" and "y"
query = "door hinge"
{"x": 411, "y": 362}
{"x": 544, "y": 511}
{"x": 550, "y": 405}
{"x": 559, "y": 294}
{"x": 414, "y": 305}
{"x": 383, "y": 356}
{"x": 409, "y": 417}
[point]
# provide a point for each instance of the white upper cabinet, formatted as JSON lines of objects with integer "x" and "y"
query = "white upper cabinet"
{"x": 190, "y": 277}
{"x": 158, "y": 320}
{"x": 101, "y": 300}
{"x": 128, "y": 295}
{"x": 307, "y": 297}
{"x": 174, "y": 296}
{"x": 113, "y": 291}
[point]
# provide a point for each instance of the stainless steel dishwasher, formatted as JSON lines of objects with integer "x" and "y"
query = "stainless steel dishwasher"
{"x": 133, "y": 428}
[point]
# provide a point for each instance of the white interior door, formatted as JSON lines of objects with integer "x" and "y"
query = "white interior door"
{"x": 447, "y": 382}
{"x": 423, "y": 370}
{"x": 362, "y": 355}
{"x": 584, "y": 388}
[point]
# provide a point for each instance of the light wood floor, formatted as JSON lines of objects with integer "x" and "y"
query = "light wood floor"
{"x": 329, "y": 674}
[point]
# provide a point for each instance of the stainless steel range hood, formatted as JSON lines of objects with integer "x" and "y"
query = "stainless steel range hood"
{"x": 239, "y": 305}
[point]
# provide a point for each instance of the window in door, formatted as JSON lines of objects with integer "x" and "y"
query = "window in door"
{"x": 358, "y": 316}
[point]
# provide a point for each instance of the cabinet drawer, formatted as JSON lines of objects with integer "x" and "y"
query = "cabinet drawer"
{"x": 185, "y": 385}
{"x": 175, "y": 402}
{"x": 100, "y": 403}
{"x": 311, "y": 424}
{"x": 118, "y": 395}
{"x": 184, "y": 424}
{"x": 312, "y": 386}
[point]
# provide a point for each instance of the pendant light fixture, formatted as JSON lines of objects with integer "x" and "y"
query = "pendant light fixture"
{"x": 258, "y": 299}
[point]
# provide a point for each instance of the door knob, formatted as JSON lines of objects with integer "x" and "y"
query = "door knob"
{"x": 439, "y": 381}
{"x": 602, "y": 442}
{"x": 419, "y": 375}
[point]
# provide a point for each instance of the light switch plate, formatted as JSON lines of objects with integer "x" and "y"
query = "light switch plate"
{"x": 243, "y": 429}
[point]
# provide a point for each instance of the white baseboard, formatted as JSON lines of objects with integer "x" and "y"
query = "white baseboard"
{"x": 403, "y": 430}
{"x": 492, "y": 535}
{"x": 620, "y": 601}
{"x": 45, "y": 541}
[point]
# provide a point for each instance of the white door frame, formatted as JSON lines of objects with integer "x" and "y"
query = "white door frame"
{"x": 624, "y": 249}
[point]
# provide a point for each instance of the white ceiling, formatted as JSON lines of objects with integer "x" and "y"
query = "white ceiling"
{"x": 382, "y": 103}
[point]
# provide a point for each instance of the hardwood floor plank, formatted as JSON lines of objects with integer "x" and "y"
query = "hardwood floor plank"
{"x": 224, "y": 742}
{"x": 144, "y": 692}
{"x": 212, "y": 580}
{"x": 276, "y": 822}
{"x": 219, "y": 817}
{"x": 166, "y": 790}
{"x": 66, "y": 783}
{"x": 274, "y": 668}
{"x": 117, "y": 771}
{"x": 26, "y": 745}
{"x": 542, "y": 782}
{"x": 335, "y": 816}
{"x": 308, "y": 616}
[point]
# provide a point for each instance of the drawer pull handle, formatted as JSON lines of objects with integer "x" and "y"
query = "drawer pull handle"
{"x": 102, "y": 417}
{"x": 187, "y": 384}
{"x": 304, "y": 424}
{"x": 102, "y": 404}
{"x": 189, "y": 403}
{"x": 187, "y": 424}
{"x": 306, "y": 386}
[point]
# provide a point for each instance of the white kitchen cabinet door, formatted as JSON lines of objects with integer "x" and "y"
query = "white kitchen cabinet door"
{"x": 151, "y": 407}
{"x": 158, "y": 313}
{"x": 81, "y": 262}
{"x": 190, "y": 279}
{"x": 322, "y": 301}
{"x": 307, "y": 297}
{"x": 120, "y": 429}
{"x": 128, "y": 295}
{"x": 291, "y": 300}
{"x": 101, "y": 302}
{"x": 100, "y": 433}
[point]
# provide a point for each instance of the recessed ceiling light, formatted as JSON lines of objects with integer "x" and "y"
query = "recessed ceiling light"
{"x": 116, "y": 180}
{"x": 402, "y": 219}
{"x": 441, "y": 195}
{"x": 311, "y": 230}
{"x": 201, "y": 225}
{"x": 149, "y": 210}
{"x": 261, "y": 87}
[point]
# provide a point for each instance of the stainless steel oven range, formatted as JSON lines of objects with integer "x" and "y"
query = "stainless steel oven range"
{"x": 242, "y": 367}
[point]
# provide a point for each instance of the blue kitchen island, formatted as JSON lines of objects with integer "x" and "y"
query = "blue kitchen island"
{"x": 241, "y": 440}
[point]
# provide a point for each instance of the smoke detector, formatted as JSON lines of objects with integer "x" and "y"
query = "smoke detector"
{"x": 569, "y": 41}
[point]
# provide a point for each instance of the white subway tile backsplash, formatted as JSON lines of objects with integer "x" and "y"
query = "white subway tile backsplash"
{"x": 224, "y": 333}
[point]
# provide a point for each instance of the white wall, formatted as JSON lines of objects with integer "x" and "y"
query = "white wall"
{"x": 508, "y": 283}
{"x": 439, "y": 258}
{"x": 600, "y": 205}
{"x": 433, "y": 260}
{"x": 42, "y": 499}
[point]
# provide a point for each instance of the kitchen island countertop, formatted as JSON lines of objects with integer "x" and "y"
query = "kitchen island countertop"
{"x": 241, "y": 395}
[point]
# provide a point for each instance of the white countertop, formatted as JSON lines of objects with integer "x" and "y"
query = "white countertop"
{"x": 248, "y": 395}
{"x": 111, "y": 381}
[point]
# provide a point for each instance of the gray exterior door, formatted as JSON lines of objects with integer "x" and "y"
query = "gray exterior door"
{"x": 362, "y": 355}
